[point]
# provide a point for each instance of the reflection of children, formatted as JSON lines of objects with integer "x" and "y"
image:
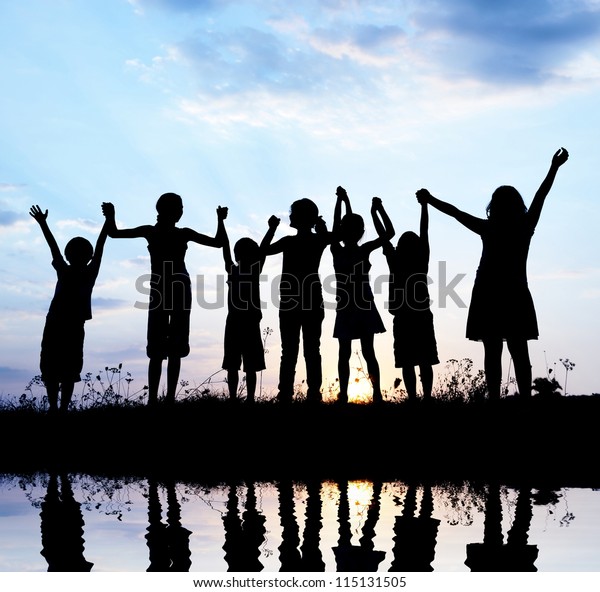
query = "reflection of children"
{"x": 301, "y": 307}
{"x": 243, "y": 341}
{"x": 356, "y": 314}
{"x": 61, "y": 358}
{"x": 501, "y": 306}
{"x": 170, "y": 288}
{"x": 414, "y": 336}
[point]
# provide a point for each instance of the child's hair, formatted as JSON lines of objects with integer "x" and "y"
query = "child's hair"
{"x": 169, "y": 207}
{"x": 506, "y": 205}
{"x": 352, "y": 227}
{"x": 79, "y": 250}
{"x": 303, "y": 212}
{"x": 409, "y": 250}
{"x": 246, "y": 250}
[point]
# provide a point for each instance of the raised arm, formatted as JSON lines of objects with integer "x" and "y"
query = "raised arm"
{"x": 108, "y": 209}
{"x": 471, "y": 222}
{"x": 535, "y": 209}
{"x": 224, "y": 238}
{"x": 99, "y": 248}
{"x": 424, "y": 229}
{"x": 206, "y": 240}
{"x": 381, "y": 220}
{"x": 342, "y": 202}
{"x": 41, "y": 218}
{"x": 266, "y": 241}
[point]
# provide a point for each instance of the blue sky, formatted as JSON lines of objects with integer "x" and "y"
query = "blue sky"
{"x": 255, "y": 104}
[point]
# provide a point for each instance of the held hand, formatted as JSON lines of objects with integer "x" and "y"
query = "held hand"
{"x": 376, "y": 203}
{"x": 274, "y": 222}
{"x": 36, "y": 213}
{"x": 222, "y": 212}
{"x": 108, "y": 209}
{"x": 560, "y": 157}
{"x": 423, "y": 196}
{"x": 341, "y": 193}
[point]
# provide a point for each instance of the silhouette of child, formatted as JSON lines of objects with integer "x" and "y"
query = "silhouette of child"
{"x": 301, "y": 307}
{"x": 501, "y": 306}
{"x": 243, "y": 342}
{"x": 409, "y": 303}
{"x": 356, "y": 314}
{"x": 170, "y": 288}
{"x": 61, "y": 358}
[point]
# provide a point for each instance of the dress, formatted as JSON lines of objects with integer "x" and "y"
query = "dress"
{"x": 501, "y": 303}
{"x": 414, "y": 335}
{"x": 356, "y": 313}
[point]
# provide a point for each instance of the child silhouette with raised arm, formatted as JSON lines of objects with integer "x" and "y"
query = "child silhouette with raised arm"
{"x": 501, "y": 306}
{"x": 61, "y": 358}
{"x": 356, "y": 316}
{"x": 301, "y": 309}
{"x": 242, "y": 341}
{"x": 170, "y": 287}
{"x": 409, "y": 303}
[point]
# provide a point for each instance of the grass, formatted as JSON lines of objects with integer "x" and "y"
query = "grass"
{"x": 458, "y": 434}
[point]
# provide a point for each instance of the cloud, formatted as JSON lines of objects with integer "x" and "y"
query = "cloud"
{"x": 80, "y": 224}
{"x": 99, "y": 303}
{"x": 511, "y": 42}
{"x": 9, "y": 218}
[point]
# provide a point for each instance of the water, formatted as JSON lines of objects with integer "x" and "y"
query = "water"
{"x": 86, "y": 522}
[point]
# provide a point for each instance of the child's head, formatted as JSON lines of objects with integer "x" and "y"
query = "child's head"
{"x": 246, "y": 251}
{"x": 169, "y": 207}
{"x": 352, "y": 228}
{"x": 506, "y": 205}
{"x": 304, "y": 213}
{"x": 409, "y": 249}
{"x": 79, "y": 251}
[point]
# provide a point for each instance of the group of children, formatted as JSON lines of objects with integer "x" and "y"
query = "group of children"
{"x": 501, "y": 306}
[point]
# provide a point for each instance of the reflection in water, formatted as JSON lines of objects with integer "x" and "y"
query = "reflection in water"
{"x": 289, "y": 553}
{"x": 243, "y": 526}
{"x": 62, "y": 527}
{"x": 312, "y": 558}
{"x": 243, "y": 535}
{"x": 168, "y": 544}
{"x": 415, "y": 536}
{"x": 362, "y": 557}
{"x": 493, "y": 555}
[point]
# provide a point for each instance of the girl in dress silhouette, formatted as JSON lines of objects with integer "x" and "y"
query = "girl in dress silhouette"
{"x": 501, "y": 306}
{"x": 357, "y": 316}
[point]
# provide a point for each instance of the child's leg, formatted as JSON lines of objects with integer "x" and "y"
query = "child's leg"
{"x": 426, "y": 380}
{"x": 345, "y": 351}
{"x": 52, "y": 389}
{"x": 289, "y": 328}
{"x": 66, "y": 394}
{"x": 410, "y": 381}
{"x": 492, "y": 364}
{"x": 154, "y": 372}
{"x": 173, "y": 370}
{"x": 232, "y": 383}
{"x": 311, "y": 340}
{"x": 250, "y": 385}
{"x": 368, "y": 351}
{"x": 519, "y": 351}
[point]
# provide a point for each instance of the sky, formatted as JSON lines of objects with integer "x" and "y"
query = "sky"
{"x": 254, "y": 104}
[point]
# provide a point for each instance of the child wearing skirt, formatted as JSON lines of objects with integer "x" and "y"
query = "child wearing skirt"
{"x": 356, "y": 314}
{"x": 409, "y": 303}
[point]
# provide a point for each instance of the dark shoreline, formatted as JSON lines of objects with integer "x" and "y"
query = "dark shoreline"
{"x": 540, "y": 442}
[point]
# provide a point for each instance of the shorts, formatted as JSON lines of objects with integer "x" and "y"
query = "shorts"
{"x": 243, "y": 343}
